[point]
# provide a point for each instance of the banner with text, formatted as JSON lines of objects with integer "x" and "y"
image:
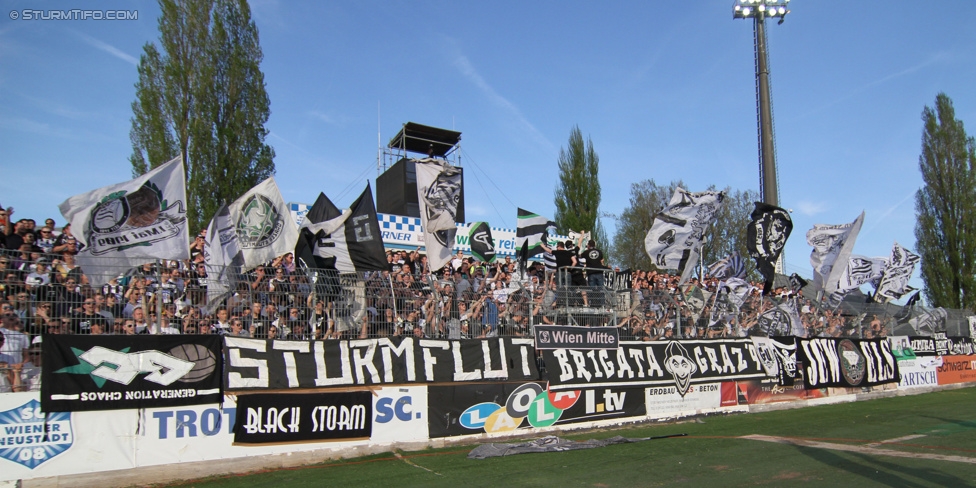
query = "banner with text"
{"x": 956, "y": 369}
{"x": 655, "y": 364}
{"x": 939, "y": 344}
{"x": 83, "y": 372}
{"x": 830, "y": 362}
{"x": 273, "y": 364}
{"x": 918, "y": 372}
{"x": 574, "y": 337}
{"x": 759, "y": 392}
{"x": 266, "y": 418}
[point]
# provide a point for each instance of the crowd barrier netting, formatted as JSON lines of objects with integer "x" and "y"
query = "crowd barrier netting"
{"x": 49, "y": 294}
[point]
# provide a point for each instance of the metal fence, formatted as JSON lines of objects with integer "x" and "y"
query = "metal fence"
{"x": 49, "y": 294}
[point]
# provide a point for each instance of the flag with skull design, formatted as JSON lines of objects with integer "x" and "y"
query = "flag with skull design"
{"x": 678, "y": 231}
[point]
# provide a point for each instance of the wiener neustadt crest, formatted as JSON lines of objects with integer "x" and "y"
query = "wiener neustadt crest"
{"x": 30, "y": 437}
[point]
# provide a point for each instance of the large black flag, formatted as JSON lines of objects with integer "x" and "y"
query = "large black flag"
{"x": 482, "y": 244}
{"x": 322, "y": 211}
{"x": 352, "y": 240}
{"x": 767, "y": 234}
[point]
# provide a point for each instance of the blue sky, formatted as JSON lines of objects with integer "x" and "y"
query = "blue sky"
{"x": 665, "y": 91}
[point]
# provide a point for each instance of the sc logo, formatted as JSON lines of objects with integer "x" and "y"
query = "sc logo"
{"x": 401, "y": 409}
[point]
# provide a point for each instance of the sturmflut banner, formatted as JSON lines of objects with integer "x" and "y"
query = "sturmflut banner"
{"x": 264, "y": 418}
{"x": 831, "y": 362}
{"x": 272, "y": 364}
{"x": 119, "y": 372}
{"x": 679, "y": 364}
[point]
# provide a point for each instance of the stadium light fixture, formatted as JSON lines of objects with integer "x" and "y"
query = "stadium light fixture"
{"x": 758, "y": 11}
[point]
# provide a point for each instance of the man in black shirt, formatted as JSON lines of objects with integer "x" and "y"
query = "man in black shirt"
{"x": 593, "y": 259}
{"x": 83, "y": 321}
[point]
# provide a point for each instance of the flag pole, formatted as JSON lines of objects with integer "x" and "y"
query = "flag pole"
{"x": 159, "y": 296}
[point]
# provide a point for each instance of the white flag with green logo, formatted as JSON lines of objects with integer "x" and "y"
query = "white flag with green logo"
{"x": 265, "y": 229}
{"x": 129, "y": 224}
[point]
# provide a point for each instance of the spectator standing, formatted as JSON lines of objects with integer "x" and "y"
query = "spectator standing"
{"x": 17, "y": 341}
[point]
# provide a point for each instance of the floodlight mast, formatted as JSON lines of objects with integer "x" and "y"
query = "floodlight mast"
{"x": 758, "y": 11}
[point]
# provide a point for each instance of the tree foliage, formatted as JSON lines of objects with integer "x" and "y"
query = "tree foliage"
{"x": 945, "y": 207}
{"x": 577, "y": 195}
{"x": 726, "y": 234}
{"x": 201, "y": 93}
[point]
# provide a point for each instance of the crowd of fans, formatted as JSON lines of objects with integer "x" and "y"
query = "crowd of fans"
{"x": 44, "y": 292}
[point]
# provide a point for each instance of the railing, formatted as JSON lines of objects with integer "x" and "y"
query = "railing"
{"x": 280, "y": 301}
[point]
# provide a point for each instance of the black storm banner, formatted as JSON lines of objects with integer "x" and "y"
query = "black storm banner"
{"x": 830, "y": 362}
{"x": 273, "y": 364}
{"x": 264, "y": 418}
{"x": 654, "y": 363}
{"x": 121, "y": 372}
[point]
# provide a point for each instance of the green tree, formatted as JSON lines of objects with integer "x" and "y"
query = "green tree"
{"x": 201, "y": 94}
{"x": 577, "y": 195}
{"x": 726, "y": 234}
{"x": 945, "y": 208}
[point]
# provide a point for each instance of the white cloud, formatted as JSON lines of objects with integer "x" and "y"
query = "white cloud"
{"x": 104, "y": 46}
{"x": 811, "y": 208}
{"x": 463, "y": 64}
{"x": 328, "y": 118}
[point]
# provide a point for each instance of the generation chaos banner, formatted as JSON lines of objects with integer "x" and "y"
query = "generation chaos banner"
{"x": 121, "y": 372}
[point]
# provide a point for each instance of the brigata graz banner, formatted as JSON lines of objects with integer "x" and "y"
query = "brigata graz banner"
{"x": 264, "y": 418}
{"x": 119, "y": 372}
{"x": 678, "y": 363}
{"x": 273, "y": 364}
{"x": 846, "y": 362}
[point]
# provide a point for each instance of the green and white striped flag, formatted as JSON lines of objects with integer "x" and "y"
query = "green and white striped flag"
{"x": 529, "y": 234}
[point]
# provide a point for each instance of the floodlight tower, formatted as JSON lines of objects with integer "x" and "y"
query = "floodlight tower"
{"x": 759, "y": 11}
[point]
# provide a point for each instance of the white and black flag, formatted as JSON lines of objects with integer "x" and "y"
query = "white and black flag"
{"x": 438, "y": 192}
{"x": 132, "y": 223}
{"x": 832, "y": 245}
{"x": 778, "y": 357}
{"x": 861, "y": 270}
{"x": 782, "y": 320}
{"x": 676, "y": 236}
{"x": 894, "y": 282}
{"x": 731, "y": 295}
{"x": 321, "y": 211}
{"x": 265, "y": 229}
{"x": 696, "y": 299}
{"x": 222, "y": 256}
{"x": 767, "y": 234}
{"x": 797, "y": 283}
{"x": 352, "y": 241}
{"x": 731, "y": 266}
